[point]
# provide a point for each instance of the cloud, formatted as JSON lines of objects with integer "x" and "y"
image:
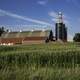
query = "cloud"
{"x": 78, "y": 19}
{"x": 54, "y": 17}
{"x": 70, "y": 37}
{"x": 1, "y": 14}
{"x": 52, "y": 14}
{"x": 54, "y": 20}
{"x": 42, "y": 2}
{"x": 23, "y": 18}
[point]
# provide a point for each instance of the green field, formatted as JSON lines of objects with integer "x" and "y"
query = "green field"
{"x": 53, "y": 61}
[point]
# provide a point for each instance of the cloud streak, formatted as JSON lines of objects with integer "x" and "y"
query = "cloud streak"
{"x": 42, "y": 2}
{"x": 23, "y": 18}
{"x": 54, "y": 17}
{"x": 52, "y": 14}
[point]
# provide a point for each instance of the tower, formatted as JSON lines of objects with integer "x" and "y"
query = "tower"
{"x": 60, "y": 29}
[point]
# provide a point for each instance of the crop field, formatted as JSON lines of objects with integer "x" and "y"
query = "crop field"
{"x": 52, "y": 61}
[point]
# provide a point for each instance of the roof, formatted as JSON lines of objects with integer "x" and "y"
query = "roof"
{"x": 24, "y": 34}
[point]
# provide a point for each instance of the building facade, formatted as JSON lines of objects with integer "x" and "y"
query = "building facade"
{"x": 24, "y": 37}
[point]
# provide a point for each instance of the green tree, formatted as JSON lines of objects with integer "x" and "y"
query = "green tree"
{"x": 76, "y": 37}
{"x": 51, "y": 36}
{"x": 2, "y": 30}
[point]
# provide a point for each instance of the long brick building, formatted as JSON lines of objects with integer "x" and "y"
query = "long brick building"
{"x": 24, "y": 37}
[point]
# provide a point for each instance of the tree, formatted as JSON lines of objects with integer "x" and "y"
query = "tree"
{"x": 51, "y": 36}
{"x": 47, "y": 40}
{"x": 1, "y": 30}
{"x": 76, "y": 37}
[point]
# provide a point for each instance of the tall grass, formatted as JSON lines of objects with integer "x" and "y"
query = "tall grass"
{"x": 40, "y": 62}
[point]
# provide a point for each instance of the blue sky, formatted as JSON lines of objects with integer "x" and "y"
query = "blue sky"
{"x": 40, "y": 12}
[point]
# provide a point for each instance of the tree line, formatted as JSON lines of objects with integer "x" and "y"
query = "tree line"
{"x": 76, "y": 37}
{"x": 2, "y": 30}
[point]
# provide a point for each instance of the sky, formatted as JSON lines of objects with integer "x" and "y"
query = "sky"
{"x": 40, "y": 14}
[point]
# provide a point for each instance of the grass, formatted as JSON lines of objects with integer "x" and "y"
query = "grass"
{"x": 53, "y": 61}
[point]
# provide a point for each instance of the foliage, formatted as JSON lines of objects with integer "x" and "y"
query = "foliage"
{"x": 1, "y": 30}
{"x": 51, "y": 36}
{"x": 47, "y": 40}
{"x": 77, "y": 37}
